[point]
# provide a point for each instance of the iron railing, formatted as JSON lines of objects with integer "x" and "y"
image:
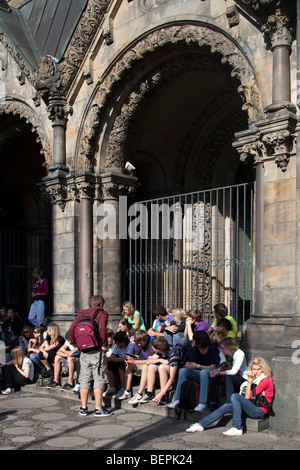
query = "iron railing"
{"x": 192, "y": 251}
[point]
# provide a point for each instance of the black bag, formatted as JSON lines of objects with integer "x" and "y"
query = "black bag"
{"x": 189, "y": 396}
{"x": 260, "y": 400}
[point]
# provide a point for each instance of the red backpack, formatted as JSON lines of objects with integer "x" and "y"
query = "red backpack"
{"x": 86, "y": 333}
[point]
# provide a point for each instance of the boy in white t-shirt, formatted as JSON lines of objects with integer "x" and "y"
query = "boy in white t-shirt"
{"x": 67, "y": 353}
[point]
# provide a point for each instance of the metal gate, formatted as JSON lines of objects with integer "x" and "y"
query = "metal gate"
{"x": 20, "y": 252}
{"x": 192, "y": 251}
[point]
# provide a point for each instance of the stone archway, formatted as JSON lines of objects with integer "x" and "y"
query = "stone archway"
{"x": 24, "y": 214}
{"x": 202, "y": 36}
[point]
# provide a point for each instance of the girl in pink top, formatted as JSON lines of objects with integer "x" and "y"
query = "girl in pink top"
{"x": 39, "y": 295}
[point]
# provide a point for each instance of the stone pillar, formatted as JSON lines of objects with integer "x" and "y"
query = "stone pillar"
{"x": 85, "y": 185}
{"x": 112, "y": 186}
{"x": 259, "y": 238}
{"x": 278, "y": 30}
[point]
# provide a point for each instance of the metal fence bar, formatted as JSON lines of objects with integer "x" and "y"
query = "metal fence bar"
{"x": 211, "y": 262}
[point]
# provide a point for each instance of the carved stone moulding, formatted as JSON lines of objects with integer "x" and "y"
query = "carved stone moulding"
{"x": 190, "y": 34}
{"x": 59, "y": 187}
{"x": 269, "y": 140}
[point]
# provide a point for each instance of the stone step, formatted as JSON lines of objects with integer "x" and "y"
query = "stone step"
{"x": 252, "y": 425}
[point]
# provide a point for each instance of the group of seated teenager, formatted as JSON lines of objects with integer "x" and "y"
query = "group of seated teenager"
{"x": 177, "y": 346}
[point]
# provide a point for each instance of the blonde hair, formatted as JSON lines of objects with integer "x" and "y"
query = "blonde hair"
{"x": 54, "y": 331}
{"x": 18, "y": 355}
{"x": 130, "y": 307}
{"x": 230, "y": 344}
{"x": 179, "y": 315}
{"x": 259, "y": 361}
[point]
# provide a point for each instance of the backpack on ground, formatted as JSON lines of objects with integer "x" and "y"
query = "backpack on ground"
{"x": 189, "y": 397}
{"x": 86, "y": 333}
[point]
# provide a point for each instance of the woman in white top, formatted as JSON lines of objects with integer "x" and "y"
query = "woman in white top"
{"x": 17, "y": 373}
{"x": 234, "y": 374}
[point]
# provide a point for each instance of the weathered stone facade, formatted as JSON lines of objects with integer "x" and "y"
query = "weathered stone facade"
{"x": 185, "y": 90}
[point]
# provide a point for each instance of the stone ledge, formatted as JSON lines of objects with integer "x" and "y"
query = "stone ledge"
{"x": 251, "y": 425}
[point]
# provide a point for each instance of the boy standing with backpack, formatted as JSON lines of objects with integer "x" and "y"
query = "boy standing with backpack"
{"x": 88, "y": 332}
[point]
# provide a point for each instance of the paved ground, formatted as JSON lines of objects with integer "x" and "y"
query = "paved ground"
{"x": 30, "y": 421}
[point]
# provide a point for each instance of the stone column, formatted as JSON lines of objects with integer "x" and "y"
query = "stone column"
{"x": 278, "y": 29}
{"x": 85, "y": 184}
{"x": 112, "y": 186}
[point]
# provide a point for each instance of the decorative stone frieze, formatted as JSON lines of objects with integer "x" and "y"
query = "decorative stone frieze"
{"x": 112, "y": 185}
{"x": 269, "y": 140}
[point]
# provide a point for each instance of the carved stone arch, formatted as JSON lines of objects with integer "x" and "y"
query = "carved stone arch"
{"x": 198, "y": 34}
{"x": 15, "y": 106}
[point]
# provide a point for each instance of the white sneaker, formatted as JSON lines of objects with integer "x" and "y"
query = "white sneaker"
{"x": 233, "y": 432}
{"x": 7, "y": 391}
{"x": 195, "y": 427}
{"x": 124, "y": 395}
{"x": 119, "y": 393}
{"x": 109, "y": 393}
{"x": 136, "y": 399}
{"x": 200, "y": 407}
{"x": 173, "y": 404}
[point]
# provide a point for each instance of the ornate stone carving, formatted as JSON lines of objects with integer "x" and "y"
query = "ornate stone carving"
{"x": 85, "y": 31}
{"x": 54, "y": 189}
{"x": 280, "y": 145}
{"x": 113, "y": 185}
{"x": 86, "y": 147}
{"x": 249, "y": 92}
{"x": 269, "y": 140}
{"x": 254, "y": 151}
{"x": 232, "y": 14}
{"x": 278, "y": 29}
{"x": 189, "y": 34}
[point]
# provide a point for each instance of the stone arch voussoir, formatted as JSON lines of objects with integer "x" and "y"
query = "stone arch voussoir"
{"x": 196, "y": 34}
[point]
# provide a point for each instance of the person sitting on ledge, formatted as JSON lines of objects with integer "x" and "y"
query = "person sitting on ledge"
{"x": 259, "y": 375}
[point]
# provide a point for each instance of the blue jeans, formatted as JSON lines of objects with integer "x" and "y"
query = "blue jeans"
{"x": 237, "y": 406}
{"x": 232, "y": 385}
{"x": 200, "y": 376}
{"x": 36, "y": 361}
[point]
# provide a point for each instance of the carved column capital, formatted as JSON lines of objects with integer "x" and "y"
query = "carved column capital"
{"x": 54, "y": 189}
{"x": 48, "y": 82}
{"x": 85, "y": 184}
{"x": 269, "y": 140}
{"x": 112, "y": 185}
{"x": 278, "y": 29}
